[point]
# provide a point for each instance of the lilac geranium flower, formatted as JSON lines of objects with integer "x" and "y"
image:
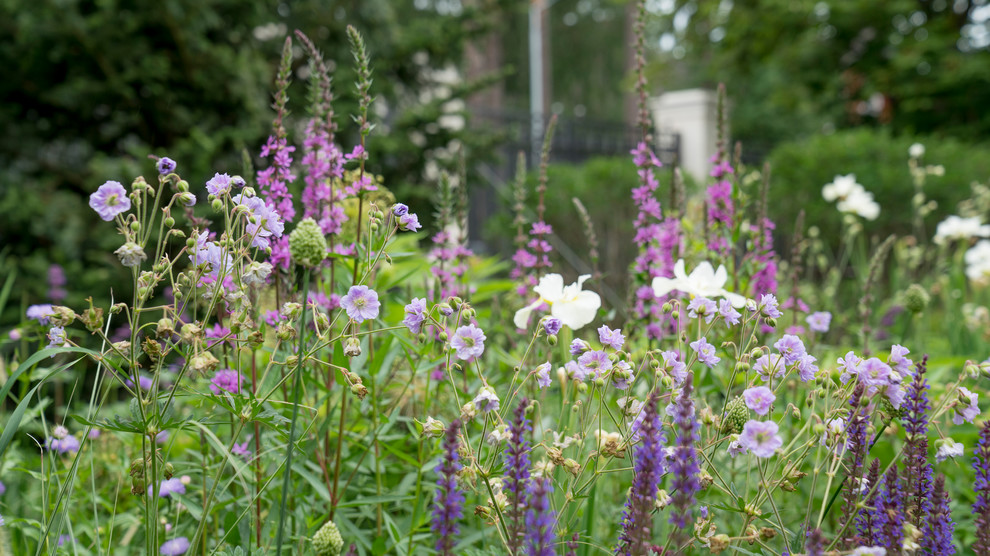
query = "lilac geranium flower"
{"x": 165, "y": 165}
{"x": 760, "y": 438}
{"x": 468, "y": 342}
{"x": 849, "y": 365}
{"x": 728, "y": 312}
{"x": 703, "y": 307}
{"x": 56, "y": 337}
{"x": 595, "y": 362}
{"x": 898, "y": 362}
{"x": 415, "y": 314}
{"x": 706, "y": 352}
{"x": 110, "y": 200}
{"x": 770, "y": 364}
{"x": 552, "y": 326}
{"x": 361, "y": 303}
{"x": 966, "y": 413}
{"x": 227, "y": 380}
{"x": 174, "y": 547}
{"x": 791, "y": 347}
{"x": 768, "y": 306}
{"x": 819, "y": 321}
{"x": 579, "y": 346}
{"x": 486, "y": 400}
{"x": 40, "y": 313}
{"x": 400, "y": 209}
{"x": 807, "y": 368}
{"x": 265, "y": 222}
{"x": 167, "y": 487}
{"x": 673, "y": 366}
{"x": 409, "y": 222}
{"x": 611, "y": 338}
{"x": 759, "y": 399}
{"x": 543, "y": 375}
{"x": 219, "y": 185}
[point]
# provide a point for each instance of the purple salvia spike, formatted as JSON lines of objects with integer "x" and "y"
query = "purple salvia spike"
{"x": 637, "y": 521}
{"x": 936, "y": 538}
{"x": 814, "y": 545}
{"x": 858, "y": 446}
{"x": 981, "y": 508}
{"x": 684, "y": 466}
{"x": 917, "y": 469}
{"x": 540, "y": 519}
{"x": 447, "y": 506}
{"x": 890, "y": 512}
{"x": 867, "y": 531}
{"x": 516, "y": 481}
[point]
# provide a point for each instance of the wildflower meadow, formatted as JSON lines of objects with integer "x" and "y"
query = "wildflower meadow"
{"x": 301, "y": 363}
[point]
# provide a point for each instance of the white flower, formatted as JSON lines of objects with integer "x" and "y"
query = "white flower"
{"x": 860, "y": 202}
{"x": 869, "y": 551}
{"x": 956, "y": 227}
{"x": 978, "y": 262}
{"x": 840, "y": 188}
{"x": 704, "y": 281}
{"x": 573, "y": 306}
{"x": 948, "y": 448}
{"x": 916, "y": 150}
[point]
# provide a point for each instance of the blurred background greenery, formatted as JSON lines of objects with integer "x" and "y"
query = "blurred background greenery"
{"x": 817, "y": 88}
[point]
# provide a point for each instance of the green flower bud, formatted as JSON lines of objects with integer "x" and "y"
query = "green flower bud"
{"x": 182, "y": 186}
{"x": 135, "y": 226}
{"x": 191, "y": 243}
{"x": 217, "y": 205}
{"x": 169, "y": 221}
{"x": 735, "y": 416}
{"x": 307, "y": 244}
{"x": 552, "y": 339}
{"x": 916, "y": 298}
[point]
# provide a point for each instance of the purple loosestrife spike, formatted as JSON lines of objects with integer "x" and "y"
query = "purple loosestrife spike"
{"x": 917, "y": 469}
{"x": 858, "y": 446}
{"x": 449, "y": 499}
{"x": 684, "y": 466}
{"x": 637, "y": 521}
{"x": 867, "y": 531}
{"x": 516, "y": 482}
{"x": 814, "y": 545}
{"x": 981, "y": 507}
{"x": 890, "y": 513}
{"x": 936, "y": 538}
{"x": 540, "y": 519}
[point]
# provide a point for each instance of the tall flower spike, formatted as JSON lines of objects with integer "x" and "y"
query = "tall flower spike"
{"x": 858, "y": 446}
{"x": 637, "y": 521}
{"x": 936, "y": 539}
{"x": 814, "y": 545}
{"x": 890, "y": 512}
{"x": 449, "y": 499}
{"x": 684, "y": 465}
{"x": 867, "y": 531}
{"x": 540, "y": 520}
{"x": 516, "y": 481}
{"x": 721, "y": 210}
{"x": 572, "y": 545}
{"x": 917, "y": 469}
{"x": 981, "y": 507}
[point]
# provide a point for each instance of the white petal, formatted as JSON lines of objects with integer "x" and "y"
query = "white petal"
{"x": 551, "y": 287}
{"x": 721, "y": 276}
{"x": 521, "y": 320}
{"x": 679, "y": 271}
{"x": 576, "y": 314}
{"x": 735, "y": 299}
{"x": 662, "y": 286}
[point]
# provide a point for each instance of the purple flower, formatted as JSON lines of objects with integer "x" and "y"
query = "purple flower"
{"x": 579, "y": 346}
{"x": 768, "y": 306}
{"x": 165, "y": 165}
{"x": 769, "y": 364}
{"x": 807, "y": 368}
{"x": 449, "y": 499}
{"x": 675, "y": 368}
{"x": 981, "y": 507}
{"x": 728, "y": 312}
{"x": 409, "y": 222}
{"x": 759, "y": 399}
{"x": 966, "y": 413}
{"x": 468, "y": 342}
{"x": 361, "y": 303}
{"x": 849, "y": 365}
{"x": 167, "y": 487}
{"x": 486, "y": 400}
{"x": 399, "y": 209}
{"x": 217, "y": 333}
{"x": 40, "y": 313}
{"x": 819, "y": 321}
{"x": 917, "y": 469}
{"x": 791, "y": 347}
{"x": 814, "y": 545}
{"x": 540, "y": 520}
{"x": 890, "y": 512}
{"x": 867, "y": 522}
{"x": 415, "y": 314}
{"x": 228, "y": 380}
{"x": 110, "y": 200}
{"x": 517, "y": 474}
{"x": 595, "y": 362}
{"x": 706, "y": 352}
{"x": 637, "y": 521}
{"x": 64, "y": 445}
{"x": 684, "y": 467}
{"x": 3, "y": 488}
{"x": 898, "y": 362}
{"x": 264, "y": 222}
{"x": 56, "y": 283}
{"x": 936, "y": 536}
{"x": 552, "y": 326}
{"x": 574, "y": 371}
{"x": 56, "y": 337}
{"x": 219, "y": 185}
{"x": 702, "y": 307}
{"x": 543, "y": 375}
{"x": 611, "y": 338}
{"x": 241, "y": 450}
{"x": 174, "y": 547}
{"x": 760, "y": 438}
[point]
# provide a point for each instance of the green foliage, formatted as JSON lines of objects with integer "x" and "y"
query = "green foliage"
{"x": 799, "y": 169}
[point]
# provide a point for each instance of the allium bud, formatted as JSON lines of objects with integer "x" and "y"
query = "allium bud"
{"x": 327, "y": 541}
{"x": 352, "y": 347}
{"x": 735, "y": 416}
{"x": 307, "y": 244}
{"x": 916, "y": 298}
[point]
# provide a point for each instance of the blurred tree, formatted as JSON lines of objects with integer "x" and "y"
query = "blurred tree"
{"x": 798, "y": 66}
{"x": 92, "y": 88}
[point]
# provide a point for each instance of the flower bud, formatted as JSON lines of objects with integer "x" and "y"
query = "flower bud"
{"x": 291, "y": 361}
{"x": 191, "y": 243}
{"x": 552, "y": 339}
{"x": 182, "y": 186}
{"x": 916, "y": 299}
{"x": 352, "y": 347}
{"x": 307, "y": 244}
{"x": 217, "y": 205}
{"x": 667, "y": 308}
{"x": 169, "y": 221}
{"x": 168, "y": 471}
{"x": 771, "y": 322}
{"x": 135, "y": 226}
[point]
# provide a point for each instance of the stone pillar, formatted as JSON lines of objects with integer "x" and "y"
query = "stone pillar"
{"x": 691, "y": 114}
